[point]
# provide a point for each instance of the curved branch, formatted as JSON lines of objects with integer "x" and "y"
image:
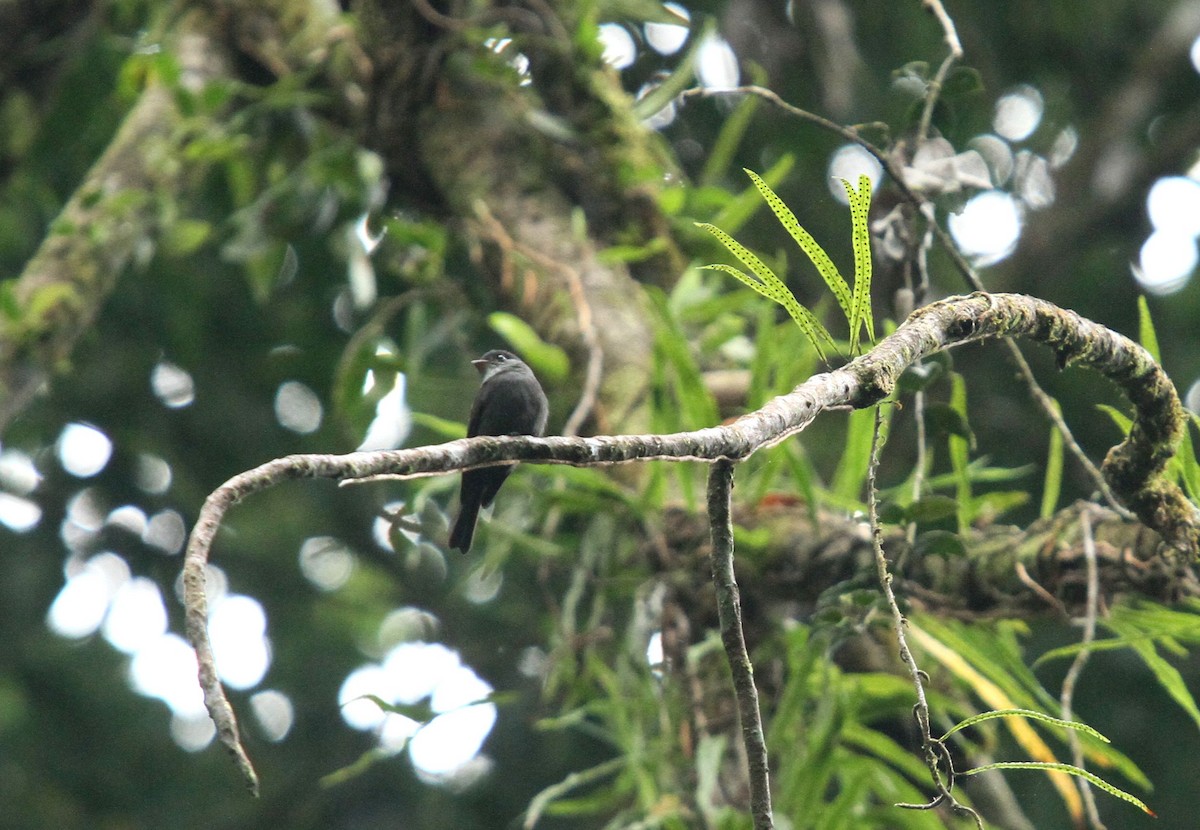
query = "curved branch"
{"x": 1135, "y": 468}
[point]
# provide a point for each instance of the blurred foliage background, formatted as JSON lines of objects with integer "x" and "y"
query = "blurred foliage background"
{"x": 333, "y": 209}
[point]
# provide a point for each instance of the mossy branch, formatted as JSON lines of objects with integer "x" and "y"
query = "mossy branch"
{"x": 1136, "y": 468}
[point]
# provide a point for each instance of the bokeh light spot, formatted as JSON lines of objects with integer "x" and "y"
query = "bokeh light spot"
{"x": 18, "y": 474}
{"x": 849, "y": 162}
{"x": 153, "y": 474}
{"x": 83, "y": 450}
{"x": 166, "y": 531}
{"x": 668, "y": 38}
{"x": 237, "y": 627}
{"x": 619, "y": 49}
{"x": 298, "y": 408}
{"x": 1174, "y": 205}
{"x": 274, "y": 712}
{"x": 165, "y": 668}
{"x": 1018, "y": 113}
{"x": 988, "y": 227}
{"x": 172, "y": 385}
{"x": 136, "y": 616}
{"x": 19, "y": 514}
{"x": 1167, "y": 260}
{"x": 82, "y": 602}
{"x": 326, "y": 562}
{"x": 716, "y": 64}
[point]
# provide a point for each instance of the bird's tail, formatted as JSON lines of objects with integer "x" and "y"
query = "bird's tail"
{"x": 464, "y": 527}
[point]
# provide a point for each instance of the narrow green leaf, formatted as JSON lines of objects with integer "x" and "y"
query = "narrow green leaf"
{"x": 1052, "y": 487}
{"x": 1167, "y": 675}
{"x": 931, "y": 508}
{"x": 738, "y": 210}
{"x": 1091, "y": 778}
{"x": 733, "y": 129}
{"x": 695, "y": 405}
{"x": 940, "y": 543}
{"x": 363, "y": 763}
{"x": 546, "y": 359}
{"x": 1070, "y": 650}
{"x": 572, "y": 782}
{"x": 1023, "y": 713}
{"x": 829, "y": 272}
{"x": 860, "y": 205}
{"x": 997, "y": 503}
{"x": 805, "y": 319}
{"x": 679, "y": 79}
{"x": 1189, "y": 467}
{"x": 772, "y": 286}
{"x": 1146, "y": 334}
{"x": 1123, "y": 421}
{"x": 960, "y": 454}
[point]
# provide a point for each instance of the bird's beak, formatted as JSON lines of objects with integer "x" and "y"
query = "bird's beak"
{"x": 481, "y": 365}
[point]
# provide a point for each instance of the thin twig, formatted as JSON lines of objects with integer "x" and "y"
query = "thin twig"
{"x": 1072, "y": 677}
{"x": 934, "y": 750}
{"x": 851, "y": 134}
{"x": 956, "y": 52}
{"x": 729, "y": 612}
{"x": 920, "y": 296}
{"x": 1033, "y": 585}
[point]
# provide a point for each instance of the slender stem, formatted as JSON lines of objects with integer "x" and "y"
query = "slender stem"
{"x": 1073, "y": 673}
{"x": 952, "y": 57}
{"x": 729, "y": 612}
{"x": 934, "y": 750}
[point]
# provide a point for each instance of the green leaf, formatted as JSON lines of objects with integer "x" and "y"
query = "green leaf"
{"x": 805, "y": 319}
{"x": 962, "y": 80}
{"x": 185, "y": 236}
{"x": 544, "y": 358}
{"x": 920, "y": 376}
{"x": 860, "y": 206}
{"x": 942, "y": 419}
{"x": 940, "y": 543}
{"x": 744, "y": 205}
{"x": 1070, "y": 650}
{"x": 1146, "y": 334}
{"x": 573, "y": 781}
{"x": 1052, "y": 487}
{"x": 1070, "y": 769}
{"x": 444, "y": 427}
{"x": 733, "y": 129}
{"x": 1185, "y": 457}
{"x": 1123, "y": 421}
{"x": 695, "y": 403}
{"x": 995, "y": 504}
{"x": 680, "y": 78}
{"x": 363, "y": 763}
{"x": 931, "y": 508}
{"x": 1167, "y": 675}
{"x": 1023, "y": 713}
{"x": 829, "y": 272}
{"x": 960, "y": 453}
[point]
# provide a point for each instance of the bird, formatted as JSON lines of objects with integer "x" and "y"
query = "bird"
{"x": 510, "y": 401}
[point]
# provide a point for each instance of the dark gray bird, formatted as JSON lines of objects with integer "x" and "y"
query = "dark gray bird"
{"x": 510, "y": 402}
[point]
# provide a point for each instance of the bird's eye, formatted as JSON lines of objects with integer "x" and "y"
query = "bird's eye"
{"x": 501, "y": 357}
